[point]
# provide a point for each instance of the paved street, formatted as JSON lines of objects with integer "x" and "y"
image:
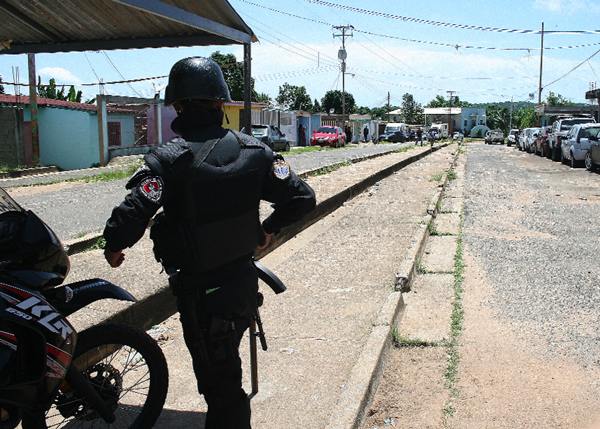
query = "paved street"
{"x": 529, "y": 339}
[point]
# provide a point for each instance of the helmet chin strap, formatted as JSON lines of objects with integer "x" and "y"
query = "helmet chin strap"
{"x": 226, "y": 118}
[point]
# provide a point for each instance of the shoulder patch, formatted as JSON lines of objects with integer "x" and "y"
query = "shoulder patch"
{"x": 152, "y": 188}
{"x": 281, "y": 169}
{"x": 139, "y": 174}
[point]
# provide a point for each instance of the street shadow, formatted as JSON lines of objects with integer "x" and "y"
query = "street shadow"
{"x": 177, "y": 419}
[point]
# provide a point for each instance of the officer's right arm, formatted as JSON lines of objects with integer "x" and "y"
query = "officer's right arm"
{"x": 129, "y": 220}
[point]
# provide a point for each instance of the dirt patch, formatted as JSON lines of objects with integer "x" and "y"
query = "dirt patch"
{"x": 38, "y": 189}
{"x": 411, "y": 394}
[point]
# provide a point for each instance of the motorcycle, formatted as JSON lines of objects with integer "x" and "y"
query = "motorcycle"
{"x": 107, "y": 376}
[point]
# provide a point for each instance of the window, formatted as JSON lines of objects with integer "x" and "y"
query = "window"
{"x": 114, "y": 134}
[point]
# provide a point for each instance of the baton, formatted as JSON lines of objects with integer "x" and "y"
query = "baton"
{"x": 278, "y": 287}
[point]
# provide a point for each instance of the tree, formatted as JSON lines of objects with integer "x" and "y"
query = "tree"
{"x": 263, "y": 98}
{"x": 440, "y": 101}
{"x": 382, "y": 112}
{"x": 316, "y": 106}
{"x": 411, "y": 110}
{"x": 51, "y": 91}
{"x": 557, "y": 100}
{"x": 292, "y": 97}
{"x": 498, "y": 117}
{"x": 1, "y": 86}
{"x": 526, "y": 117}
{"x": 233, "y": 72}
{"x": 333, "y": 100}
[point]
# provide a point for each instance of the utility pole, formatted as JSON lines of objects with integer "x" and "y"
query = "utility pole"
{"x": 541, "y": 63}
{"x": 450, "y": 122}
{"x": 342, "y": 55}
{"x": 388, "y": 109}
{"x": 511, "y": 110}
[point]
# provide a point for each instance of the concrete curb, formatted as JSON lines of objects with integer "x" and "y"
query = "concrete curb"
{"x": 28, "y": 172}
{"x": 364, "y": 377}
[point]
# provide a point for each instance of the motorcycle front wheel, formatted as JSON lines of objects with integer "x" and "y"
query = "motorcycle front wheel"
{"x": 129, "y": 371}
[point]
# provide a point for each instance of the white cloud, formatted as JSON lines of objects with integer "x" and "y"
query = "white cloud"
{"x": 62, "y": 76}
{"x": 568, "y": 7}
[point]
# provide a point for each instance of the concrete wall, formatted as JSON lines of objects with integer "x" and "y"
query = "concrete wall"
{"x": 68, "y": 138}
{"x": 12, "y": 151}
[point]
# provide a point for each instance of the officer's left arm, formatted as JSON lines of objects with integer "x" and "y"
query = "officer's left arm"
{"x": 291, "y": 196}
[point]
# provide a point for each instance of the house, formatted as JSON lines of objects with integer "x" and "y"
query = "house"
{"x": 459, "y": 118}
{"x": 234, "y": 119}
{"x": 68, "y": 132}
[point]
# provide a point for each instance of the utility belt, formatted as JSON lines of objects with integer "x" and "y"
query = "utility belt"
{"x": 201, "y": 282}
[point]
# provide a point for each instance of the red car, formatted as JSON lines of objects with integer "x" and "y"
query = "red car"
{"x": 328, "y": 136}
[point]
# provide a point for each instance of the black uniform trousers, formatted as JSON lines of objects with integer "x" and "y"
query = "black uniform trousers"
{"x": 207, "y": 310}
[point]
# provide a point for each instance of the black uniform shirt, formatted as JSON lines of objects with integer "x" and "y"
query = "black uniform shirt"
{"x": 292, "y": 198}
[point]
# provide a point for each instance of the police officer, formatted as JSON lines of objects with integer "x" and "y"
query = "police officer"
{"x": 209, "y": 183}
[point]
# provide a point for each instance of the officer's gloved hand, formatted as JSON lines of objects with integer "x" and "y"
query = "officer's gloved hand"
{"x": 114, "y": 259}
{"x": 266, "y": 243}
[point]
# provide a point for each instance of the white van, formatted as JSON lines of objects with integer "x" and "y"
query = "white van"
{"x": 440, "y": 129}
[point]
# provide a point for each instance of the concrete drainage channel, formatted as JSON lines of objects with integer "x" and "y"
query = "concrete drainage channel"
{"x": 362, "y": 381}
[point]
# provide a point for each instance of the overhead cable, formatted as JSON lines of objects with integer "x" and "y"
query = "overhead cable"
{"x": 456, "y": 46}
{"x": 445, "y": 24}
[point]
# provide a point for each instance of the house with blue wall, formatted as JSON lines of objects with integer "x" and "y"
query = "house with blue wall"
{"x": 68, "y": 132}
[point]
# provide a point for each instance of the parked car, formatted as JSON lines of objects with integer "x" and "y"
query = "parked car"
{"x": 592, "y": 157}
{"x": 328, "y": 136}
{"x": 457, "y": 135}
{"x": 530, "y": 136}
{"x": 577, "y": 143}
{"x": 393, "y": 137}
{"x": 560, "y": 128}
{"x": 271, "y": 136}
{"x": 541, "y": 141}
{"x": 511, "y": 138}
{"x": 494, "y": 136}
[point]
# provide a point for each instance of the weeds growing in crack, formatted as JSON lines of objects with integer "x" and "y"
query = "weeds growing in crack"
{"x": 456, "y": 328}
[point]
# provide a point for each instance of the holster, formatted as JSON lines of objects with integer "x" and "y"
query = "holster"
{"x": 173, "y": 247}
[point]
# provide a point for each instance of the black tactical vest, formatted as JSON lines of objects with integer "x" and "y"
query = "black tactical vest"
{"x": 215, "y": 209}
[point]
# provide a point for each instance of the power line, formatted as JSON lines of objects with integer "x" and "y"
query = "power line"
{"x": 573, "y": 69}
{"x": 455, "y": 46}
{"x": 119, "y": 73}
{"x": 445, "y": 24}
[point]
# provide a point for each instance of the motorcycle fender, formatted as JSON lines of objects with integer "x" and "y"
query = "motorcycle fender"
{"x": 87, "y": 291}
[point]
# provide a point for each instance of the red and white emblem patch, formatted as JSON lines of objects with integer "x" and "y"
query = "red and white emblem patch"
{"x": 152, "y": 188}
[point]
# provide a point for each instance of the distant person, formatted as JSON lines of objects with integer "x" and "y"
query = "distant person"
{"x": 303, "y": 135}
{"x": 349, "y": 135}
{"x": 366, "y": 133}
{"x": 420, "y": 136}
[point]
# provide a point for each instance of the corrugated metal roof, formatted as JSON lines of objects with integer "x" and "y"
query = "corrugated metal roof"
{"x": 49, "y": 102}
{"x": 35, "y": 26}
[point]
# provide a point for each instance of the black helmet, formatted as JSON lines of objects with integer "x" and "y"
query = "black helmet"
{"x": 196, "y": 77}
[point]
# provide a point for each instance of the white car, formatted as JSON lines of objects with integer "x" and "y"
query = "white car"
{"x": 577, "y": 143}
{"x": 530, "y": 137}
{"x": 512, "y": 137}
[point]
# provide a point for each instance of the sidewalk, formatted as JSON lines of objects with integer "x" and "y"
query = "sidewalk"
{"x": 328, "y": 333}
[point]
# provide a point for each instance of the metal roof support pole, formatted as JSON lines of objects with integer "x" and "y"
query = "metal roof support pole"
{"x": 35, "y": 132}
{"x": 247, "y": 90}
{"x": 102, "y": 127}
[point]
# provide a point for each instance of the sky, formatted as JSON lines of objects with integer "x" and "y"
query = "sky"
{"x": 426, "y": 48}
